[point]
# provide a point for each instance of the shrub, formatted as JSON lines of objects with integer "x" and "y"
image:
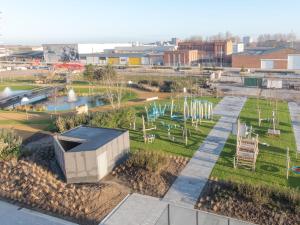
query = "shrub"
{"x": 112, "y": 119}
{"x": 60, "y": 124}
{"x": 10, "y": 144}
{"x": 151, "y": 161}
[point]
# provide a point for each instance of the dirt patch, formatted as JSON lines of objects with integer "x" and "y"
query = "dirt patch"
{"x": 21, "y": 116}
{"x": 258, "y": 205}
{"x": 34, "y": 182}
{"x": 154, "y": 183}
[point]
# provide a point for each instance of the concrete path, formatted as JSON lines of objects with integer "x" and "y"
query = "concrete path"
{"x": 14, "y": 215}
{"x": 294, "y": 109}
{"x": 188, "y": 186}
{"x": 145, "y": 210}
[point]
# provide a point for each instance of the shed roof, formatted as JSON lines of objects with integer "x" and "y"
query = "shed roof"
{"x": 262, "y": 51}
{"x": 92, "y": 137}
{"x": 114, "y": 55}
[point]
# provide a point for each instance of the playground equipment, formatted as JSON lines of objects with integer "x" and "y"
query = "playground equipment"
{"x": 148, "y": 138}
{"x": 294, "y": 169}
{"x": 246, "y": 150}
{"x": 133, "y": 123}
{"x": 260, "y": 120}
{"x": 155, "y": 111}
{"x": 197, "y": 110}
{"x": 274, "y": 122}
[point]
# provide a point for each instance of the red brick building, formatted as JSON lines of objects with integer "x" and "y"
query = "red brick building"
{"x": 209, "y": 52}
{"x": 275, "y": 58}
{"x": 180, "y": 57}
{"x": 208, "y": 49}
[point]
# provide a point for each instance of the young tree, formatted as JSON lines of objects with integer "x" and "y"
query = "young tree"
{"x": 113, "y": 83}
{"x": 88, "y": 74}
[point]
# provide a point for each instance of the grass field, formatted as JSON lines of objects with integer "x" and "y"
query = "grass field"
{"x": 36, "y": 119}
{"x": 271, "y": 161}
{"x": 84, "y": 89}
{"x": 162, "y": 142}
{"x": 16, "y": 87}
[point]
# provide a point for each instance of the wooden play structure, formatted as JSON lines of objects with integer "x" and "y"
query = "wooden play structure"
{"x": 148, "y": 138}
{"x": 274, "y": 123}
{"x": 246, "y": 150}
{"x": 260, "y": 119}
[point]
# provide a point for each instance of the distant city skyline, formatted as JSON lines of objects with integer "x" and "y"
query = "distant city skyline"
{"x": 37, "y": 22}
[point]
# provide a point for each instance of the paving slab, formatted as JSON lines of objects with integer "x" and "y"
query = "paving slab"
{"x": 187, "y": 188}
{"x": 139, "y": 209}
{"x": 14, "y": 215}
{"x": 136, "y": 210}
{"x": 294, "y": 109}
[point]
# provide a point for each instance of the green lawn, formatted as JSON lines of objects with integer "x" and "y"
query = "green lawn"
{"x": 271, "y": 161}
{"x": 162, "y": 142}
{"x": 128, "y": 95}
{"x": 16, "y": 87}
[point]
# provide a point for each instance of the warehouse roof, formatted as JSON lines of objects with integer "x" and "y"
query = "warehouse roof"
{"x": 262, "y": 51}
{"x": 114, "y": 55}
{"x": 89, "y": 138}
{"x": 27, "y": 54}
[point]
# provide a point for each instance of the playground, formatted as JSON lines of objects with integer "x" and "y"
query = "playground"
{"x": 274, "y": 150}
{"x": 171, "y": 131}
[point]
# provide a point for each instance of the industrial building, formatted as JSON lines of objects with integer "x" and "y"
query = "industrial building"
{"x": 128, "y": 59}
{"x": 87, "y": 154}
{"x": 180, "y": 58}
{"x": 56, "y": 53}
{"x": 270, "y": 58}
{"x": 237, "y": 48}
{"x": 210, "y": 52}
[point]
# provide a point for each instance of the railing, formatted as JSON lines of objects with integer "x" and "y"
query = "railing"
{"x": 176, "y": 215}
{"x": 11, "y": 100}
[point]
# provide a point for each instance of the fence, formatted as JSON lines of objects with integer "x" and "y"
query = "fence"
{"x": 176, "y": 215}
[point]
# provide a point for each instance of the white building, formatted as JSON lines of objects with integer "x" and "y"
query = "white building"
{"x": 99, "y": 48}
{"x": 247, "y": 40}
{"x": 237, "y": 47}
{"x": 294, "y": 62}
{"x": 54, "y": 53}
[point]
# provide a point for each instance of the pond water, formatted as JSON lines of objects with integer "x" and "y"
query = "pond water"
{"x": 62, "y": 104}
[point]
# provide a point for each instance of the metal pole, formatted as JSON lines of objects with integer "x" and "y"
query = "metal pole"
{"x": 169, "y": 219}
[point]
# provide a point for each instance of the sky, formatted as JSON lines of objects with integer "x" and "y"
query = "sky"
{"x": 96, "y": 21}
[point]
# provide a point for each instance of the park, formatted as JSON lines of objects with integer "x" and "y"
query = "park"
{"x": 244, "y": 149}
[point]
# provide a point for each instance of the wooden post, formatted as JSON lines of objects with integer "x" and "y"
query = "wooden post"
{"x": 259, "y": 119}
{"x": 287, "y": 163}
{"x": 134, "y": 123}
{"x": 144, "y": 129}
{"x": 172, "y": 105}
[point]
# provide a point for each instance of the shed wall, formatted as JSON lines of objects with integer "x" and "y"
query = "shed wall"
{"x": 81, "y": 167}
{"x": 59, "y": 155}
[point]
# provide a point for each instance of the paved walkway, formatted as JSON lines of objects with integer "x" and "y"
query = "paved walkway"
{"x": 188, "y": 186}
{"x": 13, "y": 215}
{"x": 294, "y": 109}
{"x": 145, "y": 210}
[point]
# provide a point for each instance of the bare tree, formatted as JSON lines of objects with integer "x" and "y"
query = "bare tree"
{"x": 113, "y": 84}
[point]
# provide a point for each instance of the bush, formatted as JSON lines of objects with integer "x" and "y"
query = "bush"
{"x": 112, "y": 119}
{"x": 262, "y": 194}
{"x": 10, "y": 144}
{"x": 151, "y": 161}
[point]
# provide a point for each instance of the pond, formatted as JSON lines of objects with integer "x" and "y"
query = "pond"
{"x": 62, "y": 104}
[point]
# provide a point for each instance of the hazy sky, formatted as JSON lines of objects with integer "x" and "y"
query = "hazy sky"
{"x": 59, "y": 21}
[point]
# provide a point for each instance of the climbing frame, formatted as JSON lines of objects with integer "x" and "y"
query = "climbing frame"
{"x": 246, "y": 150}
